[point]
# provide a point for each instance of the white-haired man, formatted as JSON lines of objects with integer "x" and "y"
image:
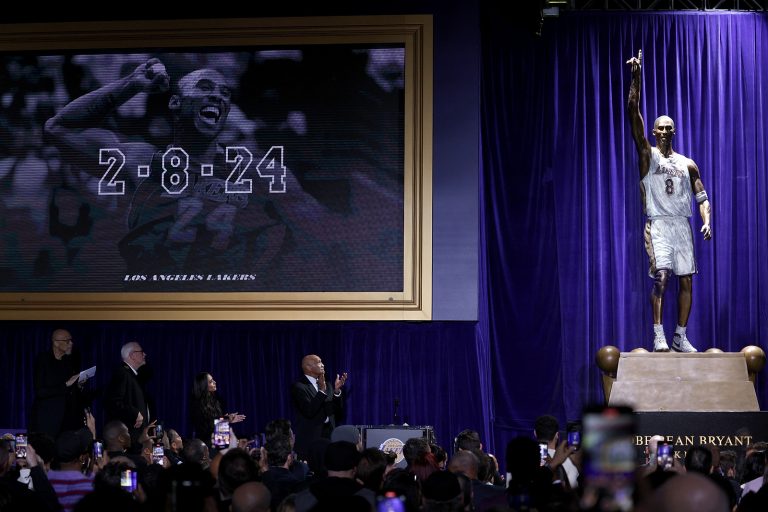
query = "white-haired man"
{"x": 125, "y": 399}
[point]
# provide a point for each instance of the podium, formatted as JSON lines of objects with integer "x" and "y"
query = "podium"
{"x": 392, "y": 438}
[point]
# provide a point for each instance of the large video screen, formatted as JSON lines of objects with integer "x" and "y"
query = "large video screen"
{"x": 263, "y": 168}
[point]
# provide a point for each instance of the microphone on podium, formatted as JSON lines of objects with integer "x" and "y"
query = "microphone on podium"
{"x": 396, "y": 419}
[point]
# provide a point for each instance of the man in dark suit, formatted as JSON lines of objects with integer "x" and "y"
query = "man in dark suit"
{"x": 125, "y": 399}
{"x": 315, "y": 403}
{"x": 57, "y": 405}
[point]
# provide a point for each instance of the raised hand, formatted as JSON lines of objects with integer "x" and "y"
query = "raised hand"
{"x": 562, "y": 452}
{"x": 90, "y": 422}
{"x": 151, "y": 76}
{"x": 235, "y": 417}
{"x": 33, "y": 459}
{"x": 340, "y": 380}
{"x": 321, "y": 384}
{"x": 636, "y": 63}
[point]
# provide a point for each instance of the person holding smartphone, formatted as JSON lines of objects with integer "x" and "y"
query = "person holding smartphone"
{"x": 43, "y": 498}
{"x": 547, "y": 431}
{"x": 206, "y": 407}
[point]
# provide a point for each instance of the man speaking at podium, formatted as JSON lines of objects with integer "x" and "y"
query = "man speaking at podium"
{"x": 315, "y": 403}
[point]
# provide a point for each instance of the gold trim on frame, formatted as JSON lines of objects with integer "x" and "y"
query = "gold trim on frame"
{"x": 413, "y": 303}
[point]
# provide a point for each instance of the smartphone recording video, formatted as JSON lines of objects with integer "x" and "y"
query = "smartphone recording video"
{"x": 21, "y": 446}
{"x": 665, "y": 456}
{"x": 543, "y": 453}
{"x": 128, "y": 480}
{"x": 220, "y": 433}
{"x": 609, "y": 458}
{"x": 98, "y": 449}
{"x": 157, "y": 454}
{"x": 574, "y": 439}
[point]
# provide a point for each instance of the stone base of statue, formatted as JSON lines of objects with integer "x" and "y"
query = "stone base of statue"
{"x": 669, "y": 381}
{"x": 690, "y": 399}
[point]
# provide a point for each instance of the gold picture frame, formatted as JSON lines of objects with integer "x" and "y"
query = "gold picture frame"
{"x": 412, "y": 302}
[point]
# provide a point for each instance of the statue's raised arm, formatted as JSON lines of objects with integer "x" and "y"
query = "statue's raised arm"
{"x": 635, "y": 118}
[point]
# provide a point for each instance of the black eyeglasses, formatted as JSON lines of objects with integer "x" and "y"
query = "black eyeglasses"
{"x": 67, "y": 340}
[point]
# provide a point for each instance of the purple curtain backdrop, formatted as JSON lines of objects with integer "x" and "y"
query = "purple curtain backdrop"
{"x": 565, "y": 269}
{"x": 429, "y": 367}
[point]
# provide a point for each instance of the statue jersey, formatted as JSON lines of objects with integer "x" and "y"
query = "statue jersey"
{"x": 667, "y": 186}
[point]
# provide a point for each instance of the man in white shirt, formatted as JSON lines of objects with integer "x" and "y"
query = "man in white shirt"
{"x": 547, "y": 430}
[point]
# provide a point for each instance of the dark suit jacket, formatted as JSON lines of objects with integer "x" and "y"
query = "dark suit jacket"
{"x": 311, "y": 408}
{"x": 125, "y": 399}
{"x": 488, "y": 496}
{"x": 202, "y": 421}
{"x": 281, "y": 482}
{"x": 56, "y": 407}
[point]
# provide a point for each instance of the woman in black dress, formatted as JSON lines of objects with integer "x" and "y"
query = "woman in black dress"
{"x": 205, "y": 407}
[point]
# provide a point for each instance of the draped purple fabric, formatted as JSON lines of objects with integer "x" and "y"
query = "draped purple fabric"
{"x": 562, "y": 213}
{"x": 562, "y": 266}
{"x": 430, "y": 368}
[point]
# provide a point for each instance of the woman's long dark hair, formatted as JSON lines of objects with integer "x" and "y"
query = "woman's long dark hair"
{"x": 207, "y": 401}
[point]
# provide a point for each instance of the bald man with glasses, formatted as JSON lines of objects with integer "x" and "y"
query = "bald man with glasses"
{"x": 57, "y": 406}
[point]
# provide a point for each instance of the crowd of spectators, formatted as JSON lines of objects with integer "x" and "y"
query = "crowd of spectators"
{"x": 263, "y": 473}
